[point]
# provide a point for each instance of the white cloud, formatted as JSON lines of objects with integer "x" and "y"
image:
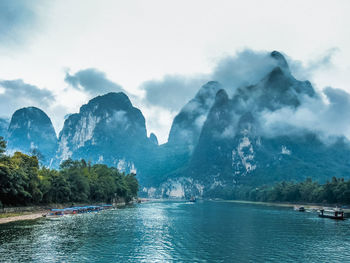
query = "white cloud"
{"x": 328, "y": 118}
{"x": 135, "y": 41}
{"x": 18, "y": 94}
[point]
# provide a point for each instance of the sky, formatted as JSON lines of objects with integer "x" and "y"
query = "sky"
{"x": 58, "y": 54}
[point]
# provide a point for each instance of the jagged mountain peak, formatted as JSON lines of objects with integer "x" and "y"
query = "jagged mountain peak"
{"x": 233, "y": 150}
{"x": 221, "y": 97}
{"x": 187, "y": 124}
{"x": 153, "y": 138}
{"x": 208, "y": 89}
{"x": 277, "y": 89}
{"x": 281, "y": 61}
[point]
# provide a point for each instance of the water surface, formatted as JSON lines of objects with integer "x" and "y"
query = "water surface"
{"x": 205, "y": 231}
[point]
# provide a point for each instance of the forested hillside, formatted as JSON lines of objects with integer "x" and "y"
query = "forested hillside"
{"x": 336, "y": 191}
{"x": 24, "y": 182}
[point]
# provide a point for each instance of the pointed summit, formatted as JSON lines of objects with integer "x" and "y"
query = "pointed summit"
{"x": 221, "y": 97}
{"x": 281, "y": 61}
{"x": 153, "y": 138}
{"x": 208, "y": 90}
{"x": 188, "y": 123}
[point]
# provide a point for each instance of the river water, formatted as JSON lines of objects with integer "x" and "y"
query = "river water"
{"x": 205, "y": 231}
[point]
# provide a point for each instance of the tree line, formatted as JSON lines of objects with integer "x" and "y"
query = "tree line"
{"x": 336, "y": 191}
{"x": 24, "y": 182}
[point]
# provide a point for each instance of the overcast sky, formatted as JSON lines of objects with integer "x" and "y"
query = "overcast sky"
{"x": 59, "y": 54}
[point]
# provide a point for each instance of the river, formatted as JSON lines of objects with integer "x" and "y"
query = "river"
{"x": 168, "y": 231}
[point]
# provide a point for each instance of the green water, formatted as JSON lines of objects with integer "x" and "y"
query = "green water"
{"x": 179, "y": 232}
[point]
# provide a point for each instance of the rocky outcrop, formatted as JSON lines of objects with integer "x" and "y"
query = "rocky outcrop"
{"x": 108, "y": 130}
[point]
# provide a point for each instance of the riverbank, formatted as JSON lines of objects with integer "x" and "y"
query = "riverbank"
{"x": 306, "y": 205}
{"x": 12, "y": 214}
{"x": 13, "y": 217}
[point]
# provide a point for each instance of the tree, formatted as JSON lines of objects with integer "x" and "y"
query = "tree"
{"x": 2, "y": 145}
{"x": 25, "y": 169}
{"x": 23, "y": 182}
{"x": 38, "y": 155}
{"x": 60, "y": 190}
{"x": 132, "y": 183}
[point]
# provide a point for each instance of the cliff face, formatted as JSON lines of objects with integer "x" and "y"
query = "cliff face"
{"x": 107, "y": 130}
{"x": 183, "y": 137}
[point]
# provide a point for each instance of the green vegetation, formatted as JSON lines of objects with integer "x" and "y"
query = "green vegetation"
{"x": 337, "y": 191}
{"x": 24, "y": 182}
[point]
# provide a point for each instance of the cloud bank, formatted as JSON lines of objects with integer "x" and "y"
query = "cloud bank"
{"x": 15, "y": 94}
{"x": 245, "y": 68}
{"x": 327, "y": 114}
{"x": 92, "y": 81}
{"x": 329, "y": 118}
{"x": 172, "y": 91}
{"x": 301, "y": 71}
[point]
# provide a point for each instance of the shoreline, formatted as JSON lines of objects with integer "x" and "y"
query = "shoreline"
{"x": 34, "y": 212}
{"x": 27, "y": 215}
{"x": 23, "y": 217}
{"x": 306, "y": 205}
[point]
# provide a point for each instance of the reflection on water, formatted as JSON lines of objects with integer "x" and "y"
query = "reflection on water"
{"x": 179, "y": 231}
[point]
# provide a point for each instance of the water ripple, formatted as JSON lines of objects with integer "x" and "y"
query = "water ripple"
{"x": 179, "y": 231}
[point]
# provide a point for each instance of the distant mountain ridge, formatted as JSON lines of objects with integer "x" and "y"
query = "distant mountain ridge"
{"x": 216, "y": 143}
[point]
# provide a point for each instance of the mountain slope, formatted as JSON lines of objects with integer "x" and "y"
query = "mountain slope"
{"x": 187, "y": 125}
{"x": 183, "y": 136}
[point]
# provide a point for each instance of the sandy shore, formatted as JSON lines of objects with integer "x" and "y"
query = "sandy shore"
{"x": 30, "y": 216}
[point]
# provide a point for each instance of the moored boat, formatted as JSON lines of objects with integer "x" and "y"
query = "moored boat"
{"x": 193, "y": 199}
{"x": 299, "y": 208}
{"x": 54, "y": 213}
{"x": 332, "y": 214}
{"x": 76, "y": 210}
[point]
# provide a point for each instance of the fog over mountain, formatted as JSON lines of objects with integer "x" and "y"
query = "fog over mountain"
{"x": 253, "y": 123}
{"x": 260, "y": 134}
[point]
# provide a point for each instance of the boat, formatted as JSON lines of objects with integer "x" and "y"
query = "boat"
{"x": 193, "y": 199}
{"x": 299, "y": 208}
{"x": 332, "y": 214}
{"x": 54, "y": 213}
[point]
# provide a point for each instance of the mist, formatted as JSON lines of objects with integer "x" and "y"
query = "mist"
{"x": 327, "y": 116}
